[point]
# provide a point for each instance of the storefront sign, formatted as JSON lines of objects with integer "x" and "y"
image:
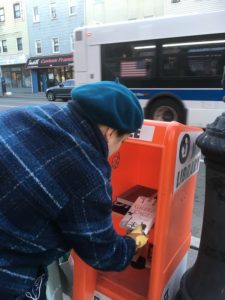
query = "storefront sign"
{"x": 49, "y": 61}
{"x": 13, "y": 59}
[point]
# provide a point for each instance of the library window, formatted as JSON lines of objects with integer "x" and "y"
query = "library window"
{"x": 38, "y": 47}
{"x": 72, "y": 7}
{"x": 16, "y": 10}
{"x": 55, "y": 45}
{"x": 19, "y": 44}
{"x": 2, "y": 14}
{"x": 53, "y": 10}
{"x": 35, "y": 14}
{"x": 4, "y": 46}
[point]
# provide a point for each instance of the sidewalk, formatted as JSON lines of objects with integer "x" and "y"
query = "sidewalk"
{"x": 28, "y": 95}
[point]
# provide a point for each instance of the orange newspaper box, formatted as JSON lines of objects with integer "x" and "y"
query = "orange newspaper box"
{"x": 164, "y": 157}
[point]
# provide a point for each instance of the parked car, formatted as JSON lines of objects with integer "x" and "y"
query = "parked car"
{"x": 60, "y": 91}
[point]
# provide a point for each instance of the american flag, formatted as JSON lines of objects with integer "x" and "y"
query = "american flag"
{"x": 133, "y": 69}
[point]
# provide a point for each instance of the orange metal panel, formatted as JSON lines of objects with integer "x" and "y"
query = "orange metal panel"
{"x": 152, "y": 164}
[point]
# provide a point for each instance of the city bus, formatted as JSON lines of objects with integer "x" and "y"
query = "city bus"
{"x": 173, "y": 64}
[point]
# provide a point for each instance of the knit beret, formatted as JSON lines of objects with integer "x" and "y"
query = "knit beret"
{"x": 110, "y": 103}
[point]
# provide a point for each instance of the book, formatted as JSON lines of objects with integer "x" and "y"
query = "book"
{"x": 142, "y": 212}
{"x": 125, "y": 200}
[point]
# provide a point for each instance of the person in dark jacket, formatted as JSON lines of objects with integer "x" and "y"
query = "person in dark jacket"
{"x": 55, "y": 192}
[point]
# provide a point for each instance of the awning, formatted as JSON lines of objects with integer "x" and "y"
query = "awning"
{"x": 49, "y": 61}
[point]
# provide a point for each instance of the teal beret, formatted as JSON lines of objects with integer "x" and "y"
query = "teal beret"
{"x": 110, "y": 103}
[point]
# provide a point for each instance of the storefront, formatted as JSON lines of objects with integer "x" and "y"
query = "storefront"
{"x": 16, "y": 76}
{"x": 13, "y": 68}
{"x": 47, "y": 71}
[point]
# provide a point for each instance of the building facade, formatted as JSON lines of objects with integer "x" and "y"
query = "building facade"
{"x": 106, "y": 11}
{"x": 179, "y": 7}
{"x": 36, "y": 36}
{"x": 50, "y": 27}
{"x": 14, "y": 45}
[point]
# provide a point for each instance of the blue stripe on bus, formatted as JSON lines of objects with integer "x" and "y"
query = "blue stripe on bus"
{"x": 194, "y": 95}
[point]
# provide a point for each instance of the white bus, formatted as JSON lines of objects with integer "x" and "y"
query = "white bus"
{"x": 173, "y": 64}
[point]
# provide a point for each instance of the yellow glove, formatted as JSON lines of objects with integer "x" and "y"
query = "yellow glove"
{"x": 138, "y": 236}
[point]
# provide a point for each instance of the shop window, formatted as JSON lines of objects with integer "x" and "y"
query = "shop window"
{"x": 4, "y": 46}
{"x": 26, "y": 78}
{"x": 2, "y": 14}
{"x": 38, "y": 46}
{"x": 16, "y": 10}
{"x": 55, "y": 45}
{"x": 16, "y": 77}
{"x": 72, "y": 7}
{"x": 36, "y": 17}
{"x": 7, "y": 75}
{"x": 19, "y": 44}
{"x": 53, "y": 10}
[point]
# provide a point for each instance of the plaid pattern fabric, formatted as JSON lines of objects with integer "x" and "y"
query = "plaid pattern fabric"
{"x": 55, "y": 194}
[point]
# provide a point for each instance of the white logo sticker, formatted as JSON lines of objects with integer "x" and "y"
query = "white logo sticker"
{"x": 145, "y": 133}
{"x": 187, "y": 159}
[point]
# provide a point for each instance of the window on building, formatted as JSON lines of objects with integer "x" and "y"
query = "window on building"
{"x": 2, "y": 14}
{"x": 35, "y": 14}
{"x": 55, "y": 45}
{"x": 175, "y": 1}
{"x": 72, "y": 7}
{"x": 16, "y": 10}
{"x": 4, "y": 46}
{"x": 38, "y": 47}
{"x": 19, "y": 44}
{"x": 53, "y": 9}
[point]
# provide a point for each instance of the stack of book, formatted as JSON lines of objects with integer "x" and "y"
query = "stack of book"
{"x": 138, "y": 205}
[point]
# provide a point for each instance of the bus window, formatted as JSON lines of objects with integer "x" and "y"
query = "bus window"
{"x": 128, "y": 61}
{"x": 205, "y": 61}
{"x": 191, "y": 60}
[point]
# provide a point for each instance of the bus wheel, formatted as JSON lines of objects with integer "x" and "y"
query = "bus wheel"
{"x": 166, "y": 110}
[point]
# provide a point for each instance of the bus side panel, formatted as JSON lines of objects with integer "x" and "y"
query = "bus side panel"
{"x": 94, "y": 63}
{"x": 80, "y": 58}
{"x": 80, "y": 53}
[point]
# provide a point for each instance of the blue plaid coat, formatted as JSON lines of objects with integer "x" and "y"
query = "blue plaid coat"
{"x": 55, "y": 194}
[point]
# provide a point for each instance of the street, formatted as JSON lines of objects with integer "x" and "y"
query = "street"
{"x": 10, "y": 102}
